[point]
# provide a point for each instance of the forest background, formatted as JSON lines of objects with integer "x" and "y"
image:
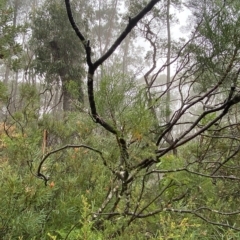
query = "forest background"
{"x": 114, "y": 128}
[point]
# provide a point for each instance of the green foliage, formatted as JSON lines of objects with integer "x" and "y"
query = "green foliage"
{"x": 78, "y": 180}
{"x": 9, "y": 47}
{"x": 30, "y": 209}
{"x": 23, "y": 199}
{"x": 216, "y": 42}
{"x": 59, "y": 54}
{"x": 207, "y": 119}
{"x": 57, "y": 48}
{"x": 122, "y": 101}
{"x": 3, "y": 92}
{"x": 73, "y": 88}
{"x": 183, "y": 196}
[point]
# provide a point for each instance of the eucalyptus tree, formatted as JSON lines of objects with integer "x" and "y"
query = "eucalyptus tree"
{"x": 57, "y": 50}
{"x": 6, "y": 14}
{"x": 9, "y": 31}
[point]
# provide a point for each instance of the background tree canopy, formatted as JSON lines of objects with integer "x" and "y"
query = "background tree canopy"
{"x": 114, "y": 127}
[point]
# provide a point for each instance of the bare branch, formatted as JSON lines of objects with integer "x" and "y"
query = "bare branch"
{"x": 46, "y": 156}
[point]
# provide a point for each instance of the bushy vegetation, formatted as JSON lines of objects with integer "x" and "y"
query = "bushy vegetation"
{"x": 128, "y": 155}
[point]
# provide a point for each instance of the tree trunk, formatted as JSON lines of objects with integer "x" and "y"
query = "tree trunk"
{"x": 64, "y": 76}
{"x": 168, "y": 62}
{"x": 67, "y": 100}
{"x": 169, "y": 137}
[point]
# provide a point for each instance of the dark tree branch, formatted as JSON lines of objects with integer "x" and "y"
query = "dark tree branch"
{"x": 225, "y": 106}
{"x": 45, "y": 157}
{"x": 139, "y": 210}
{"x": 74, "y": 26}
{"x": 195, "y": 212}
{"x": 93, "y": 66}
{"x": 131, "y": 24}
{"x": 231, "y": 177}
